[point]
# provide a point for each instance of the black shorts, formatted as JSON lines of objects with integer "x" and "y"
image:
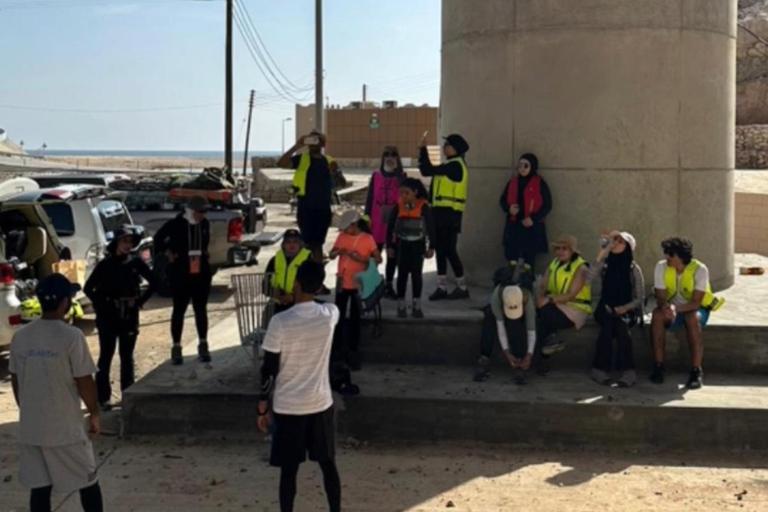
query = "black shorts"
{"x": 295, "y": 436}
{"x": 313, "y": 224}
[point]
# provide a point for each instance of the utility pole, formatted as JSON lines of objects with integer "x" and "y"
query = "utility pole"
{"x": 319, "y": 65}
{"x": 248, "y": 133}
{"x": 228, "y": 91}
{"x": 365, "y": 92}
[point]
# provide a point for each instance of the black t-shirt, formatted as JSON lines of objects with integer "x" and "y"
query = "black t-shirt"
{"x": 318, "y": 189}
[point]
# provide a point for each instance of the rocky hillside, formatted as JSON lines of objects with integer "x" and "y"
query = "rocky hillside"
{"x": 752, "y": 64}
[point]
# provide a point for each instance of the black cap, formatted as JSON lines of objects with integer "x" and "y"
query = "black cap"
{"x": 198, "y": 204}
{"x": 122, "y": 232}
{"x": 292, "y": 233}
{"x": 54, "y": 289}
{"x": 458, "y": 142}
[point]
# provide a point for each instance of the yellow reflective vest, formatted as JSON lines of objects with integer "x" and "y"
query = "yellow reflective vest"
{"x": 560, "y": 279}
{"x": 447, "y": 193}
{"x": 285, "y": 273}
{"x": 688, "y": 284}
{"x": 300, "y": 175}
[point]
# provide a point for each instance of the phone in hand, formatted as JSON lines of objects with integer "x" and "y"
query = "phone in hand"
{"x": 426, "y": 132}
{"x": 311, "y": 140}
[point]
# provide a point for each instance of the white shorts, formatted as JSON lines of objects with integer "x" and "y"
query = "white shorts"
{"x": 67, "y": 468}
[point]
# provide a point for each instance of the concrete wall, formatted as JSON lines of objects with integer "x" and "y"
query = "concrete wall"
{"x": 752, "y": 223}
{"x": 629, "y": 105}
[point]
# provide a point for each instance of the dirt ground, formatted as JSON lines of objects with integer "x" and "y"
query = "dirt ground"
{"x": 231, "y": 474}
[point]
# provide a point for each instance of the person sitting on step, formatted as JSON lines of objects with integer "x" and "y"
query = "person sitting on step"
{"x": 510, "y": 317}
{"x": 683, "y": 298}
{"x": 564, "y": 299}
{"x": 283, "y": 266}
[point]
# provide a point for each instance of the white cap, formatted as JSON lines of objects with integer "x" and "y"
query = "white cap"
{"x": 348, "y": 218}
{"x": 629, "y": 239}
{"x": 512, "y": 296}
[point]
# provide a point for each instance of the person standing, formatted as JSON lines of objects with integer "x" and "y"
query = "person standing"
{"x": 526, "y": 201}
{"x": 355, "y": 249}
{"x": 283, "y": 267}
{"x": 448, "y": 197}
{"x": 184, "y": 240}
{"x": 410, "y": 238}
{"x": 684, "y": 299}
{"x": 114, "y": 289}
{"x": 620, "y": 308}
{"x": 314, "y": 180}
{"x": 297, "y": 351}
{"x": 51, "y": 371}
{"x": 383, "y": 194}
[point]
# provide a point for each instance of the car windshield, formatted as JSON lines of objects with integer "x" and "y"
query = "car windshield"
{"x": 113, "y": 215}
{"x": 61, "y": 217}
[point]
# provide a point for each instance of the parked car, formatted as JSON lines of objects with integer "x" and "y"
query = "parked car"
{"x": 48, "y": 180}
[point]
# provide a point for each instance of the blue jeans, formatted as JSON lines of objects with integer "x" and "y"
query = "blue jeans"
{"x": 680, "y": 319}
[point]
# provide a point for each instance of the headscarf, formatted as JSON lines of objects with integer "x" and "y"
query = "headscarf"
{"x": 398, "y": 168}
{"x": 522, "y": 181}
{"x": 617, "y": 278}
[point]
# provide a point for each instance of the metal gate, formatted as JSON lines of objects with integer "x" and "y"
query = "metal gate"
{"x": 253, "y": 305}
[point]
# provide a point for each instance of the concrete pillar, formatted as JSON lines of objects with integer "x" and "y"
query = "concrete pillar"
{"x": 629, "y": 105}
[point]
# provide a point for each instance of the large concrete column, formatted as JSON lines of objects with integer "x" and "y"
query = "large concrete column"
{"x": 629, "y": 105}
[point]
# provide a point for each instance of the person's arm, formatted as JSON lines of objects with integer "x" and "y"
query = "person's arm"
{"x": 92, "y": 284}
{"x": 638, "y": 292}
{"x": 162, "y": 236}
{"x": 546, "y": 206}
{"x": 429, "y": 219}
{"x": 503, "y": 203}
{"x": 579, "y": 282}
{"x": 660, "y": 286}
{"x": 86, "y": 388}
{"x": 336, "y": 250}
{"x": 83, "y": 368}
{"x": 146, "y": 273}
{"x": 530, "y": 325}
{"x": 272, "y": 347}
{"x": 375, "y": 253}
{"x": 265, "y": 285}
{"x": 452, "y": 170}
{"x": 369, "y": 196}
{"x": 286, "y": 161}
{"x": 391, "y": 223}
{"x": 541, "y": 293}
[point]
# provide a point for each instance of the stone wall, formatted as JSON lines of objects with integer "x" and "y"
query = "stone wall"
{"x": 752, "y": 64}
{"x": 751, "y": 223}
{"x": 752, "y": 146}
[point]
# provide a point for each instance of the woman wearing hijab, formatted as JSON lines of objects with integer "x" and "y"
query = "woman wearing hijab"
{"x": 526, "y": 201}
{"x": 383, "y": 194}
{"x": 620, "y": 308}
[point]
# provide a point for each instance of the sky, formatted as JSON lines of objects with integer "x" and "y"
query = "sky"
{"x": 63, "y": 63}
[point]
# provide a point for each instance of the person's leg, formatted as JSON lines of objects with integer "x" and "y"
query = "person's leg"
{"x": 441, "y": 237}
{"x": 332, "y": 483}
{"x": 181, "y": 299}
{"x": 354, "y": 330}
{"x": 488, "y": 338}
{"x": 389, "y": 272}
{"x": 91, "y": 499}
{"x": 340, "y": 349}
{"x": 200, "y": 294}
{"x": 550, "y": 320}
{"x": 107, "y": 345}
{"x": 40, "y": 499}
{"x": 452, "y": 246}
{"x": 658, "y": 335}
{"x": 417, "y": 279}
{"x": 127, "y": 367}
{"x": 693, "y": 330}
{"x": 288, "y": 474}
{"x": 601, "y": 364}
{"x": 625, "y": 362}
{"x": 402, "y": 275}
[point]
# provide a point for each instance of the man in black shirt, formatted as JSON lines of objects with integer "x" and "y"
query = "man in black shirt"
{"x": 313, "y": 181}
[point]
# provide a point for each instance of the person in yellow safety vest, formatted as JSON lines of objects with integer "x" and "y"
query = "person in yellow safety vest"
{"x": 564, "y": 298}
{"x": 282, "y": 269}
{"x": 315, "y": 177}
{"x": 683, "y": 298}
{"x": 448, "y": 198}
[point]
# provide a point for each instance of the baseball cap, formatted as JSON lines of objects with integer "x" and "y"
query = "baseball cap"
{"x": 512, "y": 297}
{"x": 458, "y": 142}
{"x": 198, "y": 204}
{"x": 631, "y": 242}
{"x": 292, "y": 233}
{"x": 348, "y": 218}
{"x": 54, "y": 289}
{"x": 569, "y": 241}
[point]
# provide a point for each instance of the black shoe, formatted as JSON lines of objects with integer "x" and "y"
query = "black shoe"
{"x": 417, "y": 313}
{"x": 657, "y": 377}
{"x": 349, "y": 389}
{"x": 389, "y": 292}
{"x": 439, "y": 294}
{"x": 543, "y": 367}
{"x": 519, "y": 378}
{"x": 203, "y": 354}
{"x": 353, "y": 361}
{"x": 458, "y": 294}
{"x": 402, "y": 312}
{"x": 483, "y": 369}
{"x": 552, "y": 345}
{"x": 696, "y": 379}
{"x": 176, "y": 357}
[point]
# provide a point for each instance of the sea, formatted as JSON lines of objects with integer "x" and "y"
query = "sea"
{"x": 139, "y": 153}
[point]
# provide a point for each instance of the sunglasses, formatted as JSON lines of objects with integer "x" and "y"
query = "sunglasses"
{"x": 390, "y": 153}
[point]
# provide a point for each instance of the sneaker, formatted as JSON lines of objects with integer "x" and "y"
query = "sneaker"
{"x": 105, "y": 406}
{"x": 349, "y": 389}
{"x": 627, "y": 379}
{"x": 439, "y": 294}
{"x": 458, "y": 294}
{"x": 353, "y": 361}
{"x": 552, "y": 344}
{"x": 657, "y": 377}
{"x": 203, "y": 354}
{"x": 543, "y": 367}
{"x": 389, "y": 292}
{"x": 417, "y": 313}
{"x": 519, "y": 378}
{"x": 176, "y": 357}
{"x": 600, "y": 377}
{"x": 402, "y": 312}
{"x": 483, "y": 369}
{"x": 696, "y": 379}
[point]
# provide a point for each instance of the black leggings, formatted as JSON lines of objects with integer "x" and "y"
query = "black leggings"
{"x": 410, "y": 262}
{"x": 612, "y": 327}
{"x": 550, "y": 320}
{"x": 389, "y": 273}
{"x": 331, "y": 481}
{"x": 193, "y": 289}
{"x": 446, "y": 241}
{"x": 110, "y": 331}
{"x": 90, "y": 499}
{"x": 346, "y": 337}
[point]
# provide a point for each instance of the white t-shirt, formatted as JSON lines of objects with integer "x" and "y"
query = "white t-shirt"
{"x": 47, "y": 356}
{"x": 303, "y": 336}
{"x": 700, "y": 281}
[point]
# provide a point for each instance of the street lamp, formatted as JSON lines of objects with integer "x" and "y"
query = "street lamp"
{"x": 284, "y": 120}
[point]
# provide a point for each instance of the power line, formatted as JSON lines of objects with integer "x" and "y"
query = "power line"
{"x": 110, "y": 110}
{"x": 45, "y": 4}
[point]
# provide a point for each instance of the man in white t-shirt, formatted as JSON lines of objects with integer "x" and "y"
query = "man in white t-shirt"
{"x": 684, "y": 298}
{"x": 51, "y": 371}
{"x": 296, "y": 365}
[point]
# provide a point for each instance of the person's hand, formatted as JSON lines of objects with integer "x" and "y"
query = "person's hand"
{"x": 542, "y": 301}
{"x": 514, "y": 209}
{"x": 264, "y": 420}
{"x": 423, "y": 142}
{"x": 390, "y": 253}
{"x": 430, "y": 253}
{"x": 512, "y": 360}
{"x": 620, "y": 311}
{"x": 670, "y": 312}
{"x": 95, "y": 425}
{"x": 300, "y": 142}
{"x": 525, "y": 364}
{"x": 283, "y": 298}
{"x": 527, "y": 222}
{"x": 170, "y": 256}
